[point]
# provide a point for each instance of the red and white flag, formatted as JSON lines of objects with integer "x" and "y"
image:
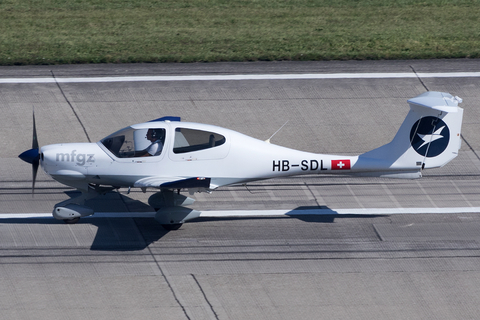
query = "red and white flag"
{"x": 340, "y": 164}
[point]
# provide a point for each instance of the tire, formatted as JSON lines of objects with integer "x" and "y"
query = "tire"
{"x": 71, "y": 221}
{"x": 173, "y": 226}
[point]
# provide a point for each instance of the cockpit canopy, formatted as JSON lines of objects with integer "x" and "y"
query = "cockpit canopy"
{"x": 130, "y": 142}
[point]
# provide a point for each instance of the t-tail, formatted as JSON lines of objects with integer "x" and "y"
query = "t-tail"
{"x": 429, "y": 137}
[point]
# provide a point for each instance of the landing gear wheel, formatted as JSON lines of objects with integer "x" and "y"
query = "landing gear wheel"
{"x": 71, "y": 221}
{"x": 173, "y": 226}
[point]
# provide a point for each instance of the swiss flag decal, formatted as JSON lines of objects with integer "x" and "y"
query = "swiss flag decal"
{"x": 340, "y": 164}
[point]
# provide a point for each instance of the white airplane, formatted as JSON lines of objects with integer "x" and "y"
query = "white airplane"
{"x": 170, "y": 155}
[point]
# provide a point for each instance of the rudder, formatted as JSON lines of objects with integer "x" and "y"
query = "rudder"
{"x": 429, "y": 137}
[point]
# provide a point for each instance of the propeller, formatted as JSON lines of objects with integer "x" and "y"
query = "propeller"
{"x": 32, "y": 156}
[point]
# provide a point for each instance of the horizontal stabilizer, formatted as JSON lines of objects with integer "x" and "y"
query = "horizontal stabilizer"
{"x": 440, "y": 101}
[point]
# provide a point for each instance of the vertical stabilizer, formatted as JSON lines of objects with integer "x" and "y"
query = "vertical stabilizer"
{"x": 429, "y": 137}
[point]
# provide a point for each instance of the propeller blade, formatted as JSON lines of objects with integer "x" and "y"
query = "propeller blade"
{"x": 34, "y": 139}
{"x": 34, "y": 174}
{"x": 32, "y": 156}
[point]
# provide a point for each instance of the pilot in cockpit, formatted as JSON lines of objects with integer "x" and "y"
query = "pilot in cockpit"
{"x": 156, "y": 136}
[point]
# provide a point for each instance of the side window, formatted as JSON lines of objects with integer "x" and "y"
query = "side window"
{"x": 188, "y": 140}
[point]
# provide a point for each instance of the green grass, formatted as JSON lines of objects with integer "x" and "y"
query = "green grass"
{"x": 82, "y": 31}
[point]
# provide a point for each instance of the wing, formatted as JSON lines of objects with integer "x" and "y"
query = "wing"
{"x": 173, "y": 183}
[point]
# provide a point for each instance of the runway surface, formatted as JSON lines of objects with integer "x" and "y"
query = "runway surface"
{"x": 364, "y": 257}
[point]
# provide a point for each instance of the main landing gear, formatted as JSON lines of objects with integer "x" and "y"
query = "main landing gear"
{"x": 172, "y": 226}
{"x": 170, "y": 211}
{"x": 168, "y": 204}
{"x": 71, "y": 221}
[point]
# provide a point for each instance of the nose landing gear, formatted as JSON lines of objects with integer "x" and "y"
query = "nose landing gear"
{"x": 71, "y": 210}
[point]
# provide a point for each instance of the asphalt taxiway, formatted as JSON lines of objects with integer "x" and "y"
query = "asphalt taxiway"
{"x": 380, "y": 264}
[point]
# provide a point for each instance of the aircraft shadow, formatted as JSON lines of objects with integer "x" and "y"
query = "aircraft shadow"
{"x": 126, "y": 234}
{"x": 111, "y": 234}
{"x": 116, "y": 234}
{"x": 122, "y": 234}
{"x": 136, "y": 234}
{"x": 324, "y": 215}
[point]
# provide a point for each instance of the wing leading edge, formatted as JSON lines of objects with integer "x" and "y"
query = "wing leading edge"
{"x": 173, "y": 184}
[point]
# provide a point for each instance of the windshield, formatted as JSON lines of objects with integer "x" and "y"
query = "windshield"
{"x": 129, "y": 142}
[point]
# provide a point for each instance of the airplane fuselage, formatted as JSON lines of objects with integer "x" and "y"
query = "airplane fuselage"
{"x": 238, "y": 159}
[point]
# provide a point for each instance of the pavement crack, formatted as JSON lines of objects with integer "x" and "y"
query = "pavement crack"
{"x": 419, "y": 79}
{"x": 311, "y": 192}
{"x": 168, "y": 284}
{"x": 205, "y": 296}
{"x": 71, "y": 106}
{"x": 469, "y": 146}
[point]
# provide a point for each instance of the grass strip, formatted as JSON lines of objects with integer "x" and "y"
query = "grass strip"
{"x": 116, "y": 31}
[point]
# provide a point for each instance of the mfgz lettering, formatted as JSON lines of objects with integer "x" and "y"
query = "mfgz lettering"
{"x": 80, "y": 158}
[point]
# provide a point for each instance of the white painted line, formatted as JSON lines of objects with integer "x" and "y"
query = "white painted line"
{"x": 96, "y": 215}
{"x": 266, "y": 213}
{"x": 308, "y": 76}
{"x": 366, "y": 211}
{"x": 25, "y": 215}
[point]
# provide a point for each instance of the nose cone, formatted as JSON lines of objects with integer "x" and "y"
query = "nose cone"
{"x": 31, "y": 156}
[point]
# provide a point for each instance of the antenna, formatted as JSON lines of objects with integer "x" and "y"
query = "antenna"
{"x": 268, "y": 140}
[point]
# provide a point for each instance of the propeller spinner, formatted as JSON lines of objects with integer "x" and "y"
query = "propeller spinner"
{"x": 32, "y": 156}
